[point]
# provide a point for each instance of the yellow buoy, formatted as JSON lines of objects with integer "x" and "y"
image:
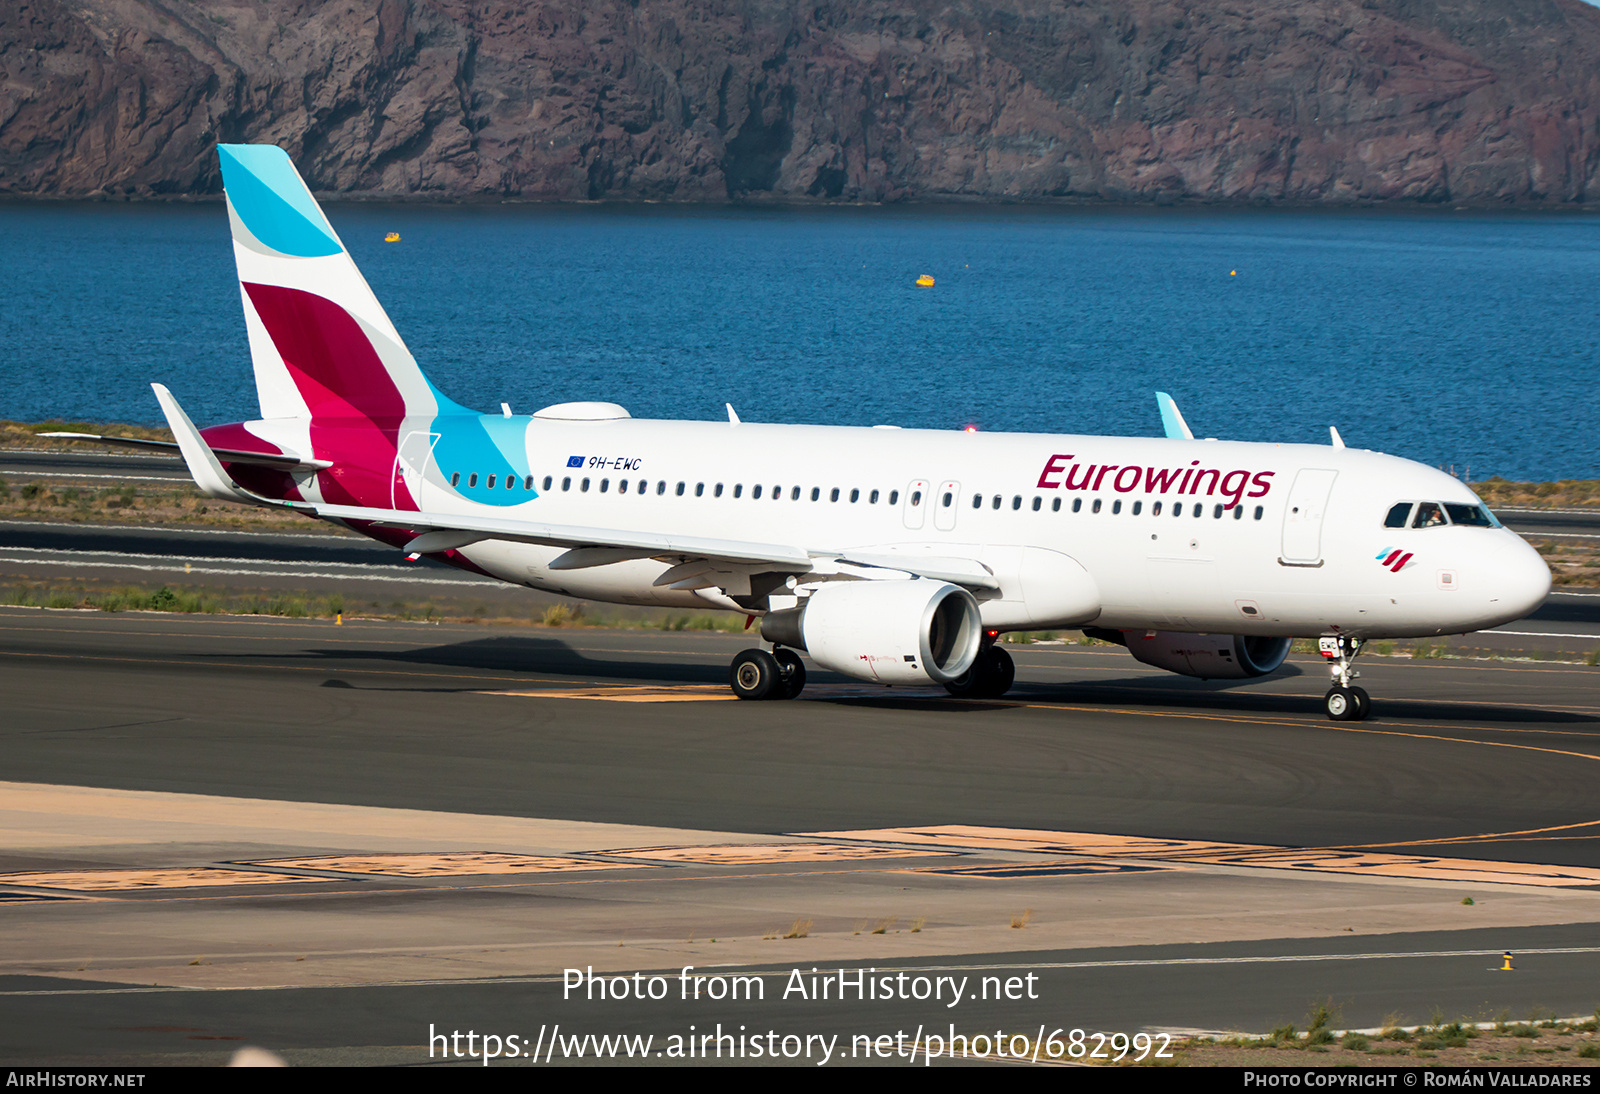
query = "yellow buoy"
{"x": 1233, "y": 273}
{"x": 392, "y": 237}
{"x": 925, "y": 281}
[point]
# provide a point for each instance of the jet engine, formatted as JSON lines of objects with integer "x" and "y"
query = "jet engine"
{"x": 884, "y": 632}
{"x": 1208, "y": 656}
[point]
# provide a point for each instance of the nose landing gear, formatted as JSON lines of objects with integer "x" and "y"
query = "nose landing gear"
{"x": 1344, "y": 703}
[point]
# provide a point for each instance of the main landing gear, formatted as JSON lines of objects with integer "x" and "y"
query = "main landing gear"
{"x": 757, "y": 674}
{"x": 1344, "y": 702}
{"x": 990, "y": 676}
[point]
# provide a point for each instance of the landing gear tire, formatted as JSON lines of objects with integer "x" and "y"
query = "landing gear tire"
{"x": 793, "y": 672}
{"x": 1340, "y": 703}
{"x": 1347, "y": 704}
{"x": 991, "y": 676}
{"x": 1344, "y": 701}
{"x": 755, "y": 674}
{"x": 1002, "y": 672}
{"x": 1363, "y": 703}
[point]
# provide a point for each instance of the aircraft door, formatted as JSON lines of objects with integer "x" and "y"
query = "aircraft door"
{"x": 1302, "y": 517}
{"x": 945, "y": 503}
{"x": 915, "y": 507}
{"x": 411, "y": 465}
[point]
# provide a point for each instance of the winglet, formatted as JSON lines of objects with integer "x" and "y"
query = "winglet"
{"x": 733, "y": 418}
{"x": 204, "y": 468}
{"x": 1172, "y": 419}
{"x": 1334, "y": 438}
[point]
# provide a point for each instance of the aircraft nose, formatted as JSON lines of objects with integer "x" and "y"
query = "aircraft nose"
{"x": 1519, "y": 581}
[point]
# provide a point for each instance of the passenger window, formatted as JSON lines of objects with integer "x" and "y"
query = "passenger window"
{"x": 1077, "y": 504}
{"x": 717, "y": 492}
{"x": 977, "y": 501}
{"x": 566, "y": 483}
{"x": 661, "y": 486}
{"x": 816, "y": 492}
{"x": 679, "y": 491}
{"x": 699, "y": 489}
{"x": 644, "y": 486}
{"x": 945, "y": 501}
{"x": 855, "y": 496}
{"x": 490, "y": 484}
{"x": 472, "y": 479}
{"x": 547, "y": 481}
{"x": 755, "y": 493}
{"x": 1016, "y": 501}
{"x": 1055, "y": 505}
{"x": 1116, "y": 507}
{"x": 1155, "y": 509}
{"x": 605, "y": 484}
{"x": 455, "y": 478}
{"x": 1238, "y": 512}
{"x": 1259, "y": 510}
{"x": 527, "y": 483}
{"x": 894, "y": 497}
{"x": 996, "y": 502}
{"x": 1037, "y": 502}
{"x": 872, "y": 499}
{"x": 1095, "y": 508}
{"x": 622, "y": 486}
{"x": 585, "y": 486}
{"x": 1397, "y": 515}
{"x": 1429, "y": 515}
{"x": 1137, "y": 506}
{"x": 738, "y": 488}
{"x": 1474, "y": 516}
{"x": 794, "y": 495}
{"x": 777, "y": 493}
{"x": 1218, "y": 513}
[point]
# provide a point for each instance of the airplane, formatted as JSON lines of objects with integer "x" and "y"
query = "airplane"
{"x": 891, "y": 556}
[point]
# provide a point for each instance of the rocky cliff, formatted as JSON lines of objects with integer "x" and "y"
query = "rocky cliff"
{"x": 1338, "y": 101}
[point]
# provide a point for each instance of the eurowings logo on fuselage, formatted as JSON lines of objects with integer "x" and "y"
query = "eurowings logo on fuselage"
{"x": 1394, "y": 558}
{"x": 1235, "y": 485}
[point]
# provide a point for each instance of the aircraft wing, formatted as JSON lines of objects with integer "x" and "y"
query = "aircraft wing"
{"x": 585, "y": 546}
{"x": 459, "y": 530}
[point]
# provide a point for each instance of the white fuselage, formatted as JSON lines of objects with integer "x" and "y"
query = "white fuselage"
{"x": 1202, "y": 536}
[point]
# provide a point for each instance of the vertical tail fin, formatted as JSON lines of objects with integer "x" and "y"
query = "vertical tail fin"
{"x": 320, "y": 342}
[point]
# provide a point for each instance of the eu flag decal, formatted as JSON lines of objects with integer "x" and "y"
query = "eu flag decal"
{"x": 574, "y": 461}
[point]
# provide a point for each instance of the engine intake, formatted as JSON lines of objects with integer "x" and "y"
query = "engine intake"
{"x": 884, "y": 632}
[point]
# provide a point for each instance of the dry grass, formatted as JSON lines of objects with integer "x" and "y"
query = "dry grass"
{"x": 1018, "y": 922}
{"x": 800, "y": 929}
{"x": 1497, "y": 493}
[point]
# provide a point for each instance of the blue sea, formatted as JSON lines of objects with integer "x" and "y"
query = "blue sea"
{"x": 1468, "y": 341}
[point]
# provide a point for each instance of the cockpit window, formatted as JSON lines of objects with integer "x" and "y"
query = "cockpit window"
{"x": 1474, "y": 515}
{"x": 1397, "y": 515}
{"x": 1429, "y": 515}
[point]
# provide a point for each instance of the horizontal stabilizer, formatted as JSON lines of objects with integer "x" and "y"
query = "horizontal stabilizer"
{"x": 226, "y": 455}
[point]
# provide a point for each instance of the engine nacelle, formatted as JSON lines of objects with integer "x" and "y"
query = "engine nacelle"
{"x": 1208, "y": 656}
{"x": 884, "y": 632}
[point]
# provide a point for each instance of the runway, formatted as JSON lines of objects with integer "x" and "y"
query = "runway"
{"x": 326, "y": 838}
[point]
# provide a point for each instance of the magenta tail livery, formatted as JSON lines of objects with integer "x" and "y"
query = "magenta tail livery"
{"x": 891, "y": 556}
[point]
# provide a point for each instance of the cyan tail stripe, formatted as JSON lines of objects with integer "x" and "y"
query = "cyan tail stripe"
{"x": 267, "y": 194}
